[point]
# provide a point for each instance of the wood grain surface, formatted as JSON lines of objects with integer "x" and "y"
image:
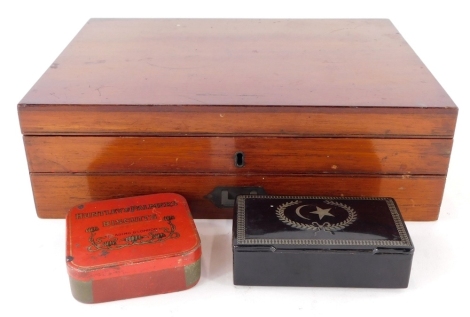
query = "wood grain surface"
{"x": 418, "y": 197}
{"x": 245, "y": 62}
{"x": 318, "y": 107}
{"x": 208, "y": 120}
{"x": 48, "y": 154}
{"x": 230, "y": 76}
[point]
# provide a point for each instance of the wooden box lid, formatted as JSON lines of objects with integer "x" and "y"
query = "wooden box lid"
{"x": 217, "y": 76}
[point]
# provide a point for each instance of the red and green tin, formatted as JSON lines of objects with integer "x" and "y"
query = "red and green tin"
{"x": 131, "y": 247}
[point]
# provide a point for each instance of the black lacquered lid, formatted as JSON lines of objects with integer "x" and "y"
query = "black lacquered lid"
{"x": 303, "y": 222}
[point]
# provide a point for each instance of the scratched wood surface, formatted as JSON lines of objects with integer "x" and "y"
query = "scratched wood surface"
{"x": 419, "y": 197}
{"x": 208, "y": 120}
{"x": 245, "y": 62}
{"x": 317, "y": 106}
{"x": 315, "y": 77}
{"x": 216, "y": 155}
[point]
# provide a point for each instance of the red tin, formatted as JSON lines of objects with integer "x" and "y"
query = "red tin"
{"x": 130, "y": 247}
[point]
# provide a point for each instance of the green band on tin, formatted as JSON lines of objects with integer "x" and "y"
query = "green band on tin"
{"x": 82, "y": 290}
{"x": 192, "y": 272}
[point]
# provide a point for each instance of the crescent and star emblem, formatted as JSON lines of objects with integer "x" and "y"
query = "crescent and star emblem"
{"x": 339, "y": 221}
{"x": 320, "y": 212}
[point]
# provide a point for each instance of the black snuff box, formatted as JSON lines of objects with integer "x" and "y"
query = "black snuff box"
{"x": 320, "y": 241}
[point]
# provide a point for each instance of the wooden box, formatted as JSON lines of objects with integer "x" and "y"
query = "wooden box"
{"x": 211, "y": 109}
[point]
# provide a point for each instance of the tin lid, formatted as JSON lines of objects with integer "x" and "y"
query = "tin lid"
{"x": 154, "y": 229}
{"x": 300, "y": 222}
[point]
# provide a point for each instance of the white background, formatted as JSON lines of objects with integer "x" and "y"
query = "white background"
{"x": 32, "y": 251}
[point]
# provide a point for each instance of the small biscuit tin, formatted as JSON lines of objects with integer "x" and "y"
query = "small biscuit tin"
{"x": 131, "y": 247}
{"x": 320, "y": 241}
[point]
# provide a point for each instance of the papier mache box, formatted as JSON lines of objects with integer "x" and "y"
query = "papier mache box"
{"x": 132, "y": 247}
{"x": 320, "y": 241}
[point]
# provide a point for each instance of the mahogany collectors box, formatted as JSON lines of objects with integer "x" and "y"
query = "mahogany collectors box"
{"x": 212, "y": 109}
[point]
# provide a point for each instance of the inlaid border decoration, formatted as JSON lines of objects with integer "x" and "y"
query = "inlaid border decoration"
{"x": 404, "y": 241}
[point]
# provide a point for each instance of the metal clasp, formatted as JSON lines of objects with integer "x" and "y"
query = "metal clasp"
{"x": 224, "y": 197}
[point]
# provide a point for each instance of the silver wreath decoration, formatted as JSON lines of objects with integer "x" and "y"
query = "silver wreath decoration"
{"x": 315, "y": 226}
